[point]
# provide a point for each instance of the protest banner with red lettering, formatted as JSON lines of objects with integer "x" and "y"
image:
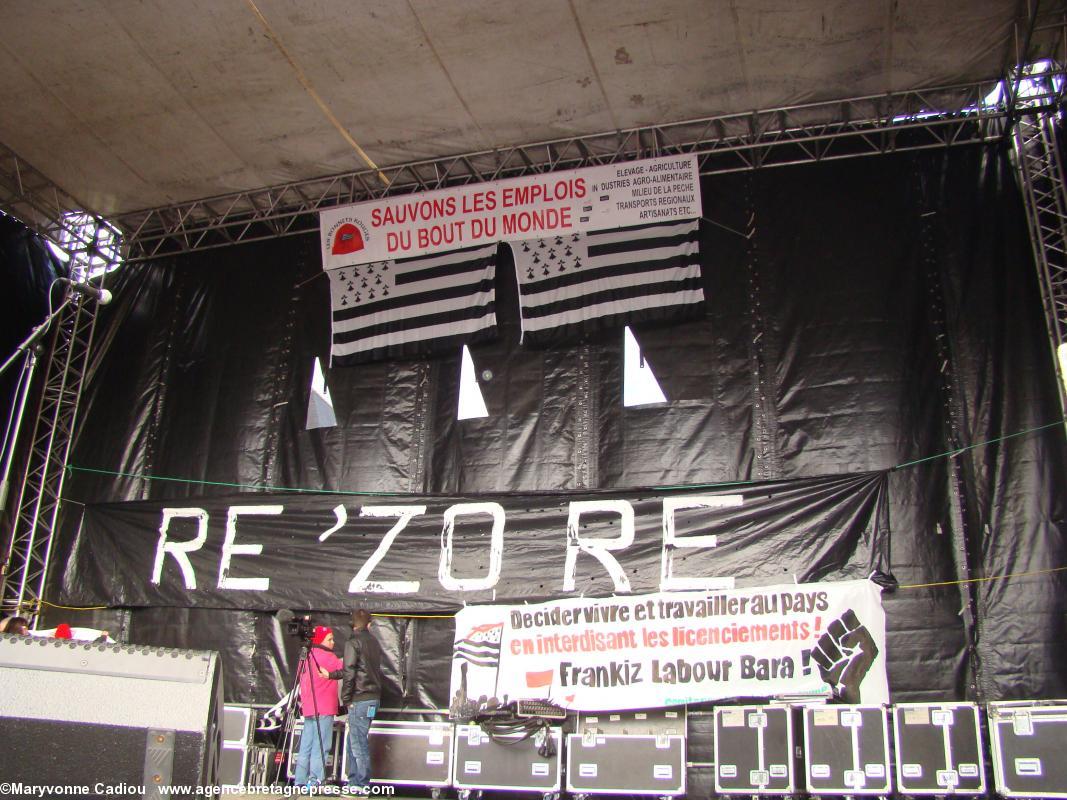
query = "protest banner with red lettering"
{"x": 675, "y": 648}
{"x": 594, "y": 198}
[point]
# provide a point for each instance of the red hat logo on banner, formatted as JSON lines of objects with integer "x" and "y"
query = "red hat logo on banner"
{"x": 347, "y": 239}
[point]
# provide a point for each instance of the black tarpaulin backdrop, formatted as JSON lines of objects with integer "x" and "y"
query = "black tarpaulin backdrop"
{"x": 860, "y": 315}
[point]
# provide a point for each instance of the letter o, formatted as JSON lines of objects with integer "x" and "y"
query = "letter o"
{"x": 496, "y": 547}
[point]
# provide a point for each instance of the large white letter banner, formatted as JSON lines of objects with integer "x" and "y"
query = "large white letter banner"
{"x": 666, "y": 649}
{"x": 553, "y": 204}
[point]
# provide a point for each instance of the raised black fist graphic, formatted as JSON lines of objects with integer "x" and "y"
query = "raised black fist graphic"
{"x": 844, "y": 655}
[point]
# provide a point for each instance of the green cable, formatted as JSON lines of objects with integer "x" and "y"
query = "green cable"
{"x": 230, "y": 485}
{"x": 954, "y": 453}
{"x": 676, "y": 487}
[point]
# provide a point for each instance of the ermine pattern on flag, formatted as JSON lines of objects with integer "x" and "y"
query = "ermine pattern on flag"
{"x": 481, "y": 645}
{"x": 412, "y": 306}
{"x": 578, "y": 283}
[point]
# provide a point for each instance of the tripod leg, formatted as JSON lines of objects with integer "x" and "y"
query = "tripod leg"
{"x": 289, "y": 720}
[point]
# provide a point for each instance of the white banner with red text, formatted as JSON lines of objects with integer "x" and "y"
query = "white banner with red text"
{"x": 552, "y": 204}
{"x": 674, "y": 648}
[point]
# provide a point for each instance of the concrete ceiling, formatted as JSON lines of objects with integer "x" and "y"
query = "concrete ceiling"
{"x": 132, "y": 104}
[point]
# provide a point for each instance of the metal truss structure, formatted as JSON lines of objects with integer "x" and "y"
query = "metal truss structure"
{"x": 25, "y": 568}
{"x": 860, "y": 126}
{"x": 92, "y": 246}
{"x": 40, "y": 205}
{"x": 1040, "y": 169}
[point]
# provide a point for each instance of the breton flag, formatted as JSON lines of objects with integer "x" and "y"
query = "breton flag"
{"x": 412, "y": 306}
{"x": 578, "y": 283}
{"x": 481, "y": 645}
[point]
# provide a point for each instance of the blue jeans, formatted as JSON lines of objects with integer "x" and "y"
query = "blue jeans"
{"x": 360, "y": 714}
{"x": 315, "y": 741}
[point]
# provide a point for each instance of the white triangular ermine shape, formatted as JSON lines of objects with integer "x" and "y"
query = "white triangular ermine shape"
{"x": 639, "y": 385}
{"x": 471, "y": 404}
{"x": 320, "y": 406}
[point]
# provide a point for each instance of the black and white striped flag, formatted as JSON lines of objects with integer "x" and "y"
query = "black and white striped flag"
{"x": 412, "y": 306}
{"x": 481, "y": 645}
{"x": 578, "y": 283}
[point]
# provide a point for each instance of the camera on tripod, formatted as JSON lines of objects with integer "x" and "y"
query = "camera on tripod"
{"x": 302, "y": 627}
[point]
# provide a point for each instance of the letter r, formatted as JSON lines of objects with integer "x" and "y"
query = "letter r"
{"x": 180, "y": 550}
{"x": 599, "y": 548}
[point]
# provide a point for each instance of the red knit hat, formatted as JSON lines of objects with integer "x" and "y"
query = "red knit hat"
{"x": 320, "y": 634}
{"x": 63, "y": 631}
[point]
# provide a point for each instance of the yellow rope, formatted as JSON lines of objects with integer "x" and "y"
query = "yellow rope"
{"x": 981, "y": 580}
{"x": 73, "y": 608}
{"x": 1030, "y": 573}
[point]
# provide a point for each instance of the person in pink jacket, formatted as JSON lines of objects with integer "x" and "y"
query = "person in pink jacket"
{"x": 319, "y": 705}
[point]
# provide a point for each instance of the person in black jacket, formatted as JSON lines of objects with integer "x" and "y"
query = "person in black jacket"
{"x": 361, "y": 691}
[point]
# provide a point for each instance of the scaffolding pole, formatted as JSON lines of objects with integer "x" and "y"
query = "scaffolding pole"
{"x": 1040, "y": 172}
{"x": 24, "y": 572}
